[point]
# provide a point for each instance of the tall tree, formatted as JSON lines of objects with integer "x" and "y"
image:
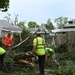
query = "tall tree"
{"x": 32, "y": 25}
{"x": 22, "y": 24}
{"x": 49, "y": 25}
{"x": 16, "y": 19}
{"x": 74, "y": 21}
{"x": 8, "y": 17}
{"x": 4, "y": 5}
{"x": 61, "y": 22}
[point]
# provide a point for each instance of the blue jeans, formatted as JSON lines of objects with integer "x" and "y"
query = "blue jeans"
{"x": 41, "y": 61}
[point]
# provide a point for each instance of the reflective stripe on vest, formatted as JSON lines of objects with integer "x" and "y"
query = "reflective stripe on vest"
{"x": 40, "y": 43}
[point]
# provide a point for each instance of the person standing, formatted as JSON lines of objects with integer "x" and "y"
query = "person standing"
{"x": 39, "y": 50}
{"x": 2, "y": 56}
{"x": 7, "y": 41}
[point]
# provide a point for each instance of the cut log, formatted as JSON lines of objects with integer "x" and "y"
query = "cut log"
{"x": 27, "y": 58}
{"x": 24, "y": 56}
{"x": 26, "y": 62}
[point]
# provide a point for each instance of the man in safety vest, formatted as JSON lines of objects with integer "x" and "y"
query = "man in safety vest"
{"x": 50, "y": 53}
{"x": 7, "y": 41}
{"x": 2, "y": 55}
{"x": 39, "y": 50}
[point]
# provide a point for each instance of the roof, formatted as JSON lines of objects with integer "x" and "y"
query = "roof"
{"x": 63, "y": 30}
{"x": 6, "y": 26}
{"x": 33, "y": 30}
{"x": 67, "y": 28}
{"x": 38, "y": 30}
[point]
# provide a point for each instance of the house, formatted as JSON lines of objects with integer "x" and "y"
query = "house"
{"x": 5, "y": 27}
{"x": 66, "y": 37}
{"x": 67, "y": 28}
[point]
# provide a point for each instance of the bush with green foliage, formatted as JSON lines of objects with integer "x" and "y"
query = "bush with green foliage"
{"x": 68, "y": 69}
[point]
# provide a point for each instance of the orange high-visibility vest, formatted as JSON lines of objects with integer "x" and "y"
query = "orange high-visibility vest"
{"x": 7, "y": 41}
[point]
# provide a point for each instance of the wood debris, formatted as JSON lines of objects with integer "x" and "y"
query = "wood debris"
{"x": 27, "y": 58}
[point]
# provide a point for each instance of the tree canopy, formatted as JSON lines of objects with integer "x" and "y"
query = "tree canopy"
{"x": 32, "y": 25}
{"x": 4, "y": 5}
{"x": 49, "y": 25}
{"x": 61, "y": 22}
{"x": 22, "y": 24}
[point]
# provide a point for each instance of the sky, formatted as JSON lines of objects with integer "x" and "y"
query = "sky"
{"x": 40, "y": 10}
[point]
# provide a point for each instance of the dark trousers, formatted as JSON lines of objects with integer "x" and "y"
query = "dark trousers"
{"x": 41, "y": 61}
{"x": 8, "y": 50}
{"x": 2, "y": 61}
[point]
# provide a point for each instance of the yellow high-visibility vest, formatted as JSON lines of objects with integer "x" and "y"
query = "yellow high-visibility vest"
{"x": 50, "y": 50}
{"x": 40, "y": 43}
{"x": 2, "y": 51}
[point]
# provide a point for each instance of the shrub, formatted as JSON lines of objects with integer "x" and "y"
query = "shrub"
{"x": 69, "y": 69}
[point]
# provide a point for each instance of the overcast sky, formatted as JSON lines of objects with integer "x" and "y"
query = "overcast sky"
{"x": 40, "y": 10}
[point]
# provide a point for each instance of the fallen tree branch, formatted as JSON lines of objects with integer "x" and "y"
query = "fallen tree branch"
{"x": 26, "y": 62}
{"x": 21, "y": 42}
